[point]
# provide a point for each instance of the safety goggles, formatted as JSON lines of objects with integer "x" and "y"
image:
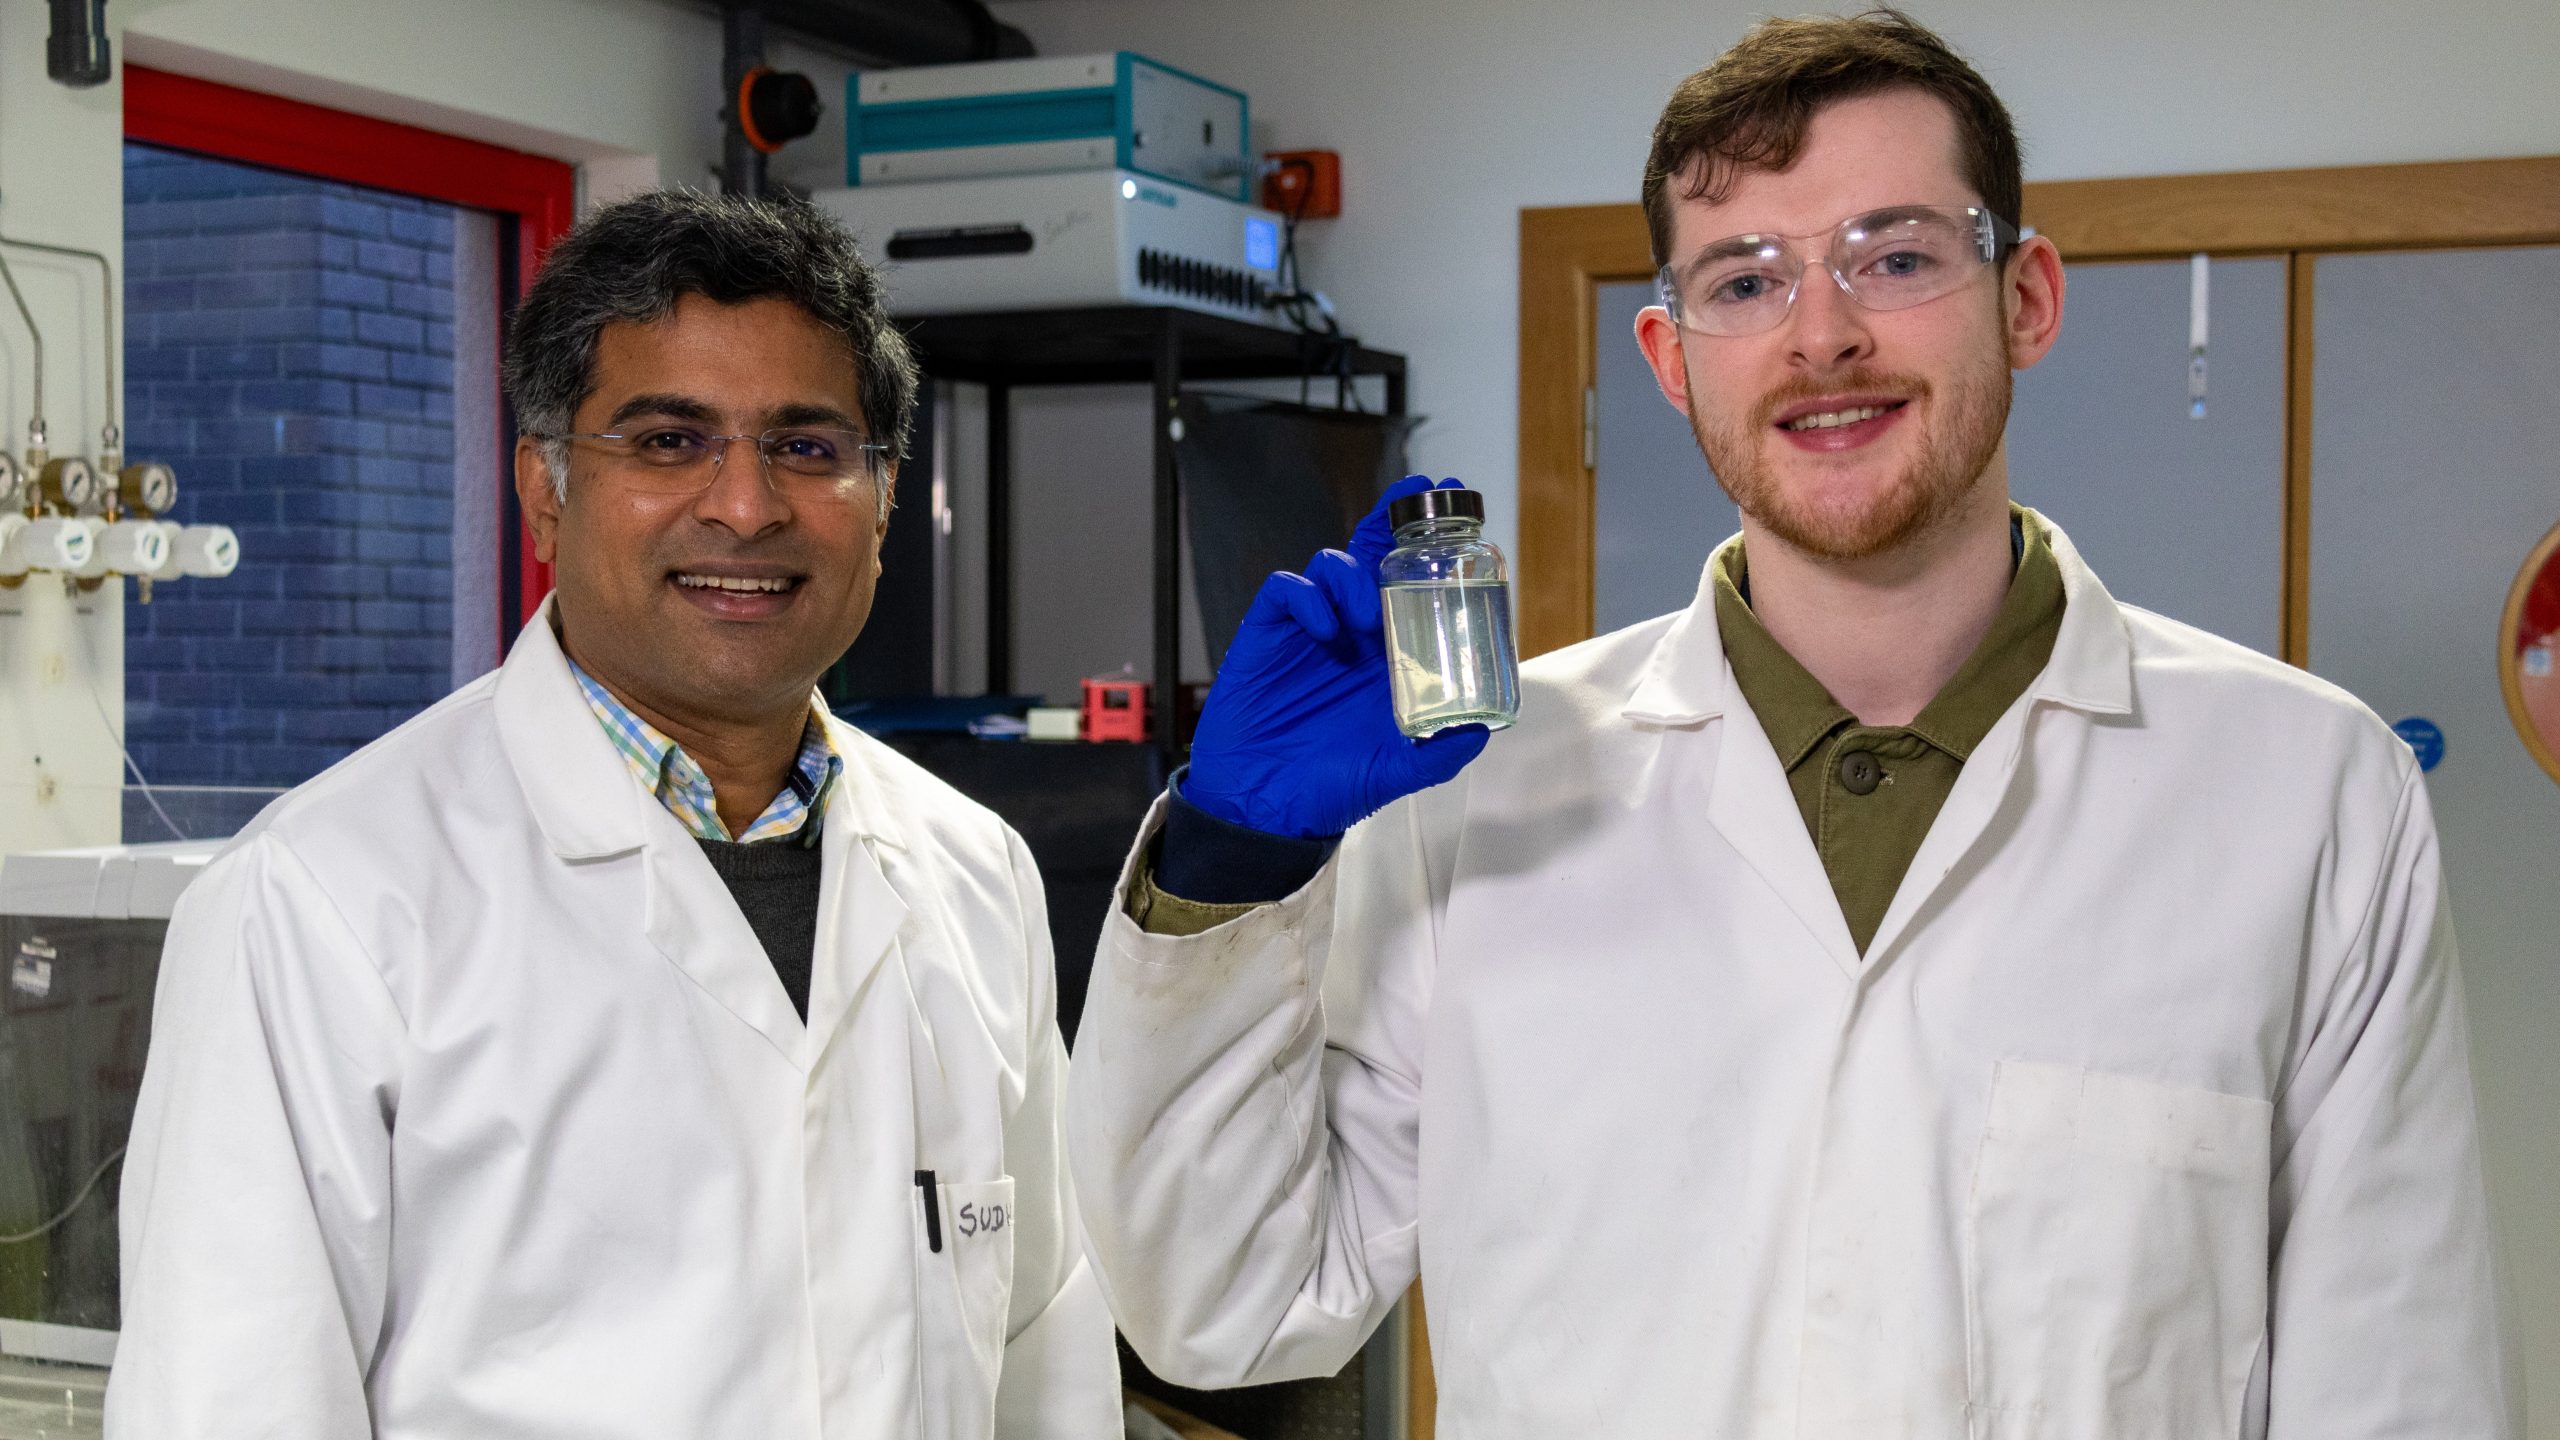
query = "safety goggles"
{"x": 1890, "y": 259}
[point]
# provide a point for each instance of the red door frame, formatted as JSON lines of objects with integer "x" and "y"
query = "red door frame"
{"x": 228, "y": 123}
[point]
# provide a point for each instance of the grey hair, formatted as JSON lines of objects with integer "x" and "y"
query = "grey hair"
{"x": 632, "y": 260}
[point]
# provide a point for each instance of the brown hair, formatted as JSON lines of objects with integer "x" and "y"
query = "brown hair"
{"x": 1749, "y": 110}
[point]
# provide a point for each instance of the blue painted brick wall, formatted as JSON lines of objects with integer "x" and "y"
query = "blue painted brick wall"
{"x": 289, "y": 349}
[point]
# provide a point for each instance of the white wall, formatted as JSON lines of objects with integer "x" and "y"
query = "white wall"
{"x": 61, "y": 653}
{"x": 1451, "y": 115}
{"x": 629, "y": 90}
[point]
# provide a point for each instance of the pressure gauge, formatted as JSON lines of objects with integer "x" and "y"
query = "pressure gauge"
{"x": 68, "y": 483}
{"x": 13, "y": 483}
{"x": 149, "y": 487}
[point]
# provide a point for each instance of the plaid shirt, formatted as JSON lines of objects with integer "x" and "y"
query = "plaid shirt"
{"x": 672, "y": 776}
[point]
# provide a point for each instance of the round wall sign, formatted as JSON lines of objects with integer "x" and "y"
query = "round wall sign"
{"x": 2425, "y": 737}
{"x": 2528, "y": 645}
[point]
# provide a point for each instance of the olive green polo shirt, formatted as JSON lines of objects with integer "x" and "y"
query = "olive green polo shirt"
{"x": 1870, "y": 792}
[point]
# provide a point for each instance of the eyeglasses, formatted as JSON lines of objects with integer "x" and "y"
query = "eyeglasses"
{"x": 801, "y": 462}
{"x": 1888, "y": 259}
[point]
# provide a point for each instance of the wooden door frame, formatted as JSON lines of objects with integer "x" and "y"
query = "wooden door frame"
{"x": 1567, "y": 252}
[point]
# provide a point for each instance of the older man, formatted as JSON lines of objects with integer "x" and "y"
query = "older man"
{"x": 624, "y": 1046}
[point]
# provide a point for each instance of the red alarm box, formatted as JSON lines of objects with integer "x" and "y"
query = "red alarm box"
{"x": 1303, "y": 184}
{"x": 1115, "y": 709}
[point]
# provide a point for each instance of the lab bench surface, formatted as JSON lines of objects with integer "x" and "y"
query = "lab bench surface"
{"x": 41, "y": 1401}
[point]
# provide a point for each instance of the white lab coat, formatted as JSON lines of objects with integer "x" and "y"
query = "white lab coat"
{"x": 474, "y": 1108}
{"x": 2146, "y": 1115}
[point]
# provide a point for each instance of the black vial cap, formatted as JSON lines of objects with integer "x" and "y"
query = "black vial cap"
{"x": 1435, "y": 505}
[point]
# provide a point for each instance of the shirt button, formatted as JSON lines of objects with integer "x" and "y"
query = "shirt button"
{"x": 1859, "y": 772}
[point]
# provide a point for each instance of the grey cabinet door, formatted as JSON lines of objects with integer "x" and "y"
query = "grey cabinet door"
{"x": 2177, "y": 515}
{"x": 1657, "y": 511}
{"x": 2431, "y": 480}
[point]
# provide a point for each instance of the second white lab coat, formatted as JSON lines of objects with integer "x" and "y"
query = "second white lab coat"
{"x": 2146, "y": 1115}
{"x": 474, "y": 1108}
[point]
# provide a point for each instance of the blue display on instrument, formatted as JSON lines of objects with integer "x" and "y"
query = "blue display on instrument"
{"x": 1261, "y": 243}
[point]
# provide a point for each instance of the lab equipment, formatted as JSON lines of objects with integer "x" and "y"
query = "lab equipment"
{"x": 149, "y": 487}
{"x": 1303, "y": 184}
{"x": 205, "y": 552}
{"x": 1299, "y": 736}
{"x": 49, "y": 542}
{"x": 1017, "y": 117}
{"x": 70, "y": 524}
{"x": 1447, "y": 598}
{"x": 80, "y": 936}
{"x": 1051, "y": 242}
{"x": 70, "y": 483}
{"x": 1053, "y": 722}
{"x": 1115, "y": 708}
{"x": 130, "y": 547}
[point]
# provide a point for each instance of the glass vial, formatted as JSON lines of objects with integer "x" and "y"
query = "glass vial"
{"x": 1447, "y": 598}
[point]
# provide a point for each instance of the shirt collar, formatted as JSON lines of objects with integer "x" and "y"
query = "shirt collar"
{"x": 1797, "y": 712}
{"x": 678, "y": 782}
{"x": 1794, "y": 709}
{"x": 2012, "y": 653}
{"x": 578, "y": 791}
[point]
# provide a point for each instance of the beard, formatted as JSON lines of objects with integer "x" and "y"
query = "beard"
{"x": 1955, "y": 446}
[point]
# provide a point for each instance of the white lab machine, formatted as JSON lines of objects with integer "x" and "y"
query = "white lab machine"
{"x": 1064, "y": 241}
{"x": 80, "y": 937}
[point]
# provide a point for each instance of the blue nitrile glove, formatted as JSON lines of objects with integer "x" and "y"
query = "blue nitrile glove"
{"x": 1298, "y": 736}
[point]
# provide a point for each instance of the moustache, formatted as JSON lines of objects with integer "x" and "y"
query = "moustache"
{"x": 1852, "y": 382}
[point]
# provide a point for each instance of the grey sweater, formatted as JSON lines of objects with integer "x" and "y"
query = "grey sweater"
{"x": 775, "y": 883}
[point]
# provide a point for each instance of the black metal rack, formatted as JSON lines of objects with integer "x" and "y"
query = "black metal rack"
{"x": 1119, "y": 345}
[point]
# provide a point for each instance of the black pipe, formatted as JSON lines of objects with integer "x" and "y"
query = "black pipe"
{"x": 76, "y": 52}
{"x": 741, "y": 50}
{"x": 903, "y": 32}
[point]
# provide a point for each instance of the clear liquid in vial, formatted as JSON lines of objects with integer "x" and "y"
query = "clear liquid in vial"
{"x": 1449, "y": 655}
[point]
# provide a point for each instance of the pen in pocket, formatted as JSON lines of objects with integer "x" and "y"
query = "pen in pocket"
{"x": 932, "y": 1210}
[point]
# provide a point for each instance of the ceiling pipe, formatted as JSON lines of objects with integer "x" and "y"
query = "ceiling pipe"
{"x": 904, "y": 32}
{"x": 742, "y": 170}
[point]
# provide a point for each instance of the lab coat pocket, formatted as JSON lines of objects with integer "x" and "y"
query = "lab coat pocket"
{"x": 2116, "y": 1257}
{"x": 964, "y": 1291}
